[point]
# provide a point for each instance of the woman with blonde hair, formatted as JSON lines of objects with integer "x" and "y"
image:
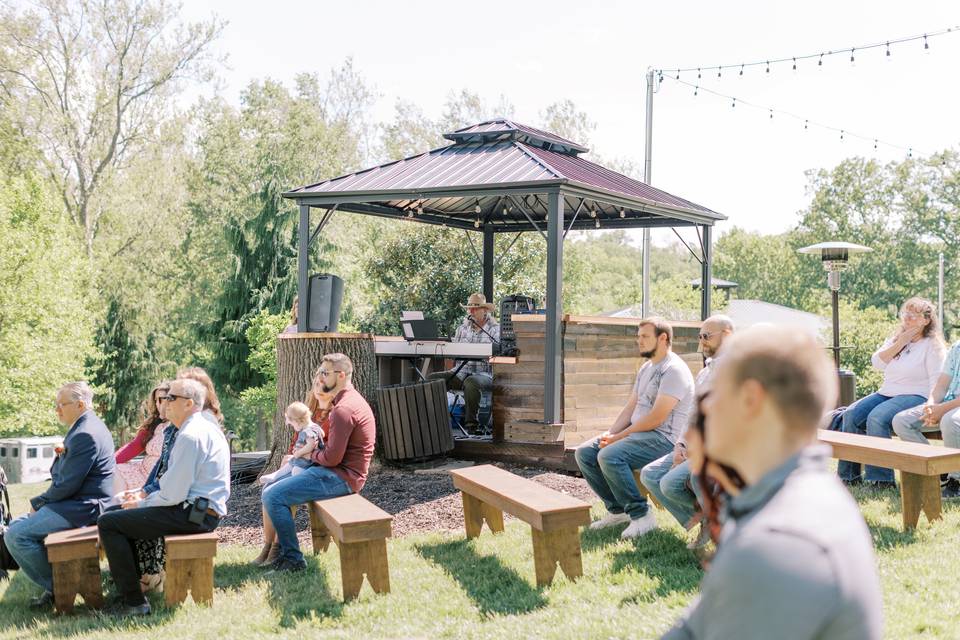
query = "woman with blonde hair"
{"x": 911, "y": 360}
{"x": 212, "y": 403}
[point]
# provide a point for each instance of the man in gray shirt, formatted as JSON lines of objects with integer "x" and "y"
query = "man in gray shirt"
{"x": 655, "y": 415}
{"x": 795, "y": 558}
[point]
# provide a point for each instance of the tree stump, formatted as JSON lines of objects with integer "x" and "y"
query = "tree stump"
{"x": 298, "y": 358}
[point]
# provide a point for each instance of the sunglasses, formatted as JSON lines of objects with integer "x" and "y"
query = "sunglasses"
{"x": 707, "y": 336}
{"x": 324, "y": 373}
{"x": 170, "y": 397}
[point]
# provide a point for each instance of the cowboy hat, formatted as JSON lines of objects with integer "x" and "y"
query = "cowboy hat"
{"x": 477, "y": 300}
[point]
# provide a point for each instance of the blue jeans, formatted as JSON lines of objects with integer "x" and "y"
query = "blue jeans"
{"x": 609, "y": 471}
{"x": 25, "y": 539}
{"x": 873, "y": 415}
{"x": 669, "y": 485}
{"x": 315, "y": 483}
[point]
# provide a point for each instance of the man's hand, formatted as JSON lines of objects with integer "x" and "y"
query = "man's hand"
{"x": 131, "y": 504}
{"x": 607, "y": 438}
{"x": 932, "y": 414}
{"x": 131, "y": 499}
{"x": 679, "y": 453}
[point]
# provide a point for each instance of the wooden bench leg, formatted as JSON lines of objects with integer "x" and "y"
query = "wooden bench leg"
{"x": 557, "y": 546}
{"x": 73, "y": 577}
{"x": 318, "y": 530}
{"x": 194, "y": 575}
{"x": 919, "y": 493}
{"x": 359, "y": 558}
{"x": 644, "y": 491}
{"x": 475, "y": 512}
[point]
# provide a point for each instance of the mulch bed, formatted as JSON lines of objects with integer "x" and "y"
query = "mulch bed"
{"x": 419, "y": 502}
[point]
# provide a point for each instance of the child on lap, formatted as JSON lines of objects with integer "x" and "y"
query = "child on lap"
{"x": 309, "y": 439}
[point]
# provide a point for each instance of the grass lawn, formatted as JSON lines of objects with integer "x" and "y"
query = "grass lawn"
{"x": 445, "y": 587}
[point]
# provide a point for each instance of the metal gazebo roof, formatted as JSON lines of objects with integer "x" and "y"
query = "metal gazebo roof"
{"x": 500, "y": 176}
{"x": 496, "y": 174}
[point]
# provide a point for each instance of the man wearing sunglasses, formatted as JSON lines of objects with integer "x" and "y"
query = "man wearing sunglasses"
{"x": 668, "y": 479}
{"x": 795, "y": 559}
{"x": 192, "y": 497}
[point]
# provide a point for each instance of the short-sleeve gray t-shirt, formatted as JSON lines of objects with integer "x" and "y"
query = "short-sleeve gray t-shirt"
{"x": 672, "y": 377}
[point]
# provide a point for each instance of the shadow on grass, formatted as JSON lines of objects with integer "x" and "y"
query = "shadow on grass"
{"x": 885, "y": 537}
{"x": 15, "y": 611}
{"x": 304, "y": 594}
{"x": 495, "y": 588}
{"x": 591, "y": 539}
{"x": 663, "y": 556}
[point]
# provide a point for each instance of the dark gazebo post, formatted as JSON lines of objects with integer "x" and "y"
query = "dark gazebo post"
{"x": 706, "y": 274}
{"x": 303, "y": 269}
{"x": 488, "y": 238}
{"x": 553, "y": 330}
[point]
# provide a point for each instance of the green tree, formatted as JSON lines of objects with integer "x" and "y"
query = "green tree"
{"x": 46, "y": 324}
{"x": 90, "y": 82}
{"x": 123, "y": 371}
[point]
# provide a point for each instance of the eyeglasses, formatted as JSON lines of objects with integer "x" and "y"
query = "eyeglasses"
{"x": 707, "y": 336}
{"x": 170, "y": 397}
{"x": 324, "y": 373}
{"x": 909, "y": 315}
{"x": 61, "y": 405}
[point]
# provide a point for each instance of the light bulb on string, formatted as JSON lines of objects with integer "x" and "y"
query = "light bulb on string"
{"x": 910, "y": 152}
{"x": 851, "y": 55}
{"x": 741, "y": 69}
{"x": 409, "y": 213}
{"x": 477, "y": 209}
{"x": 504, "y": 211}
{"x": 695, "y": 90}
{"x": 593, "y": 213}
{"x": 420, "y": 210}
{"x": 771, "y": 114}
{"x": 734, "y": 103}
{"x": 768, "y": 66}
{"x": 841, "y": 134}
{"x": 623, "y": 214}
{"x": 698, "y": 73}
{"x": 888, "y": 52}
{"x": 598, "y": 224}
{"x": 718, "y": 71}
{"x": 820, "y": 61}
{"x": 476, "y": 223}
{"x": 806, "y": 124}
{"x": 874, "y": 144}
{"x": 926, "y": 45}
{"x": 794, "y": 64}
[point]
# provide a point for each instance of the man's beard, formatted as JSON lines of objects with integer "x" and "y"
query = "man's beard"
{"x": 326, "y": 387}
{"x": 647, "y": 354}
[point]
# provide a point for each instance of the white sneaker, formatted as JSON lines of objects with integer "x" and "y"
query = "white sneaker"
{"x": 640, "y": 526}
{"x": 610, "y": 520}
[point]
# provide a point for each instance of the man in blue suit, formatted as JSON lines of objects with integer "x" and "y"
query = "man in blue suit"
{"x": 82, "y": 482}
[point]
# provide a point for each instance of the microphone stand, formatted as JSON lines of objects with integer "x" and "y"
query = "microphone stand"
{"x": 487, "y": 333}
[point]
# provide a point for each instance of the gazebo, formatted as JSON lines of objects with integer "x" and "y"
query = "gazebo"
{"x": 503, "y": 177}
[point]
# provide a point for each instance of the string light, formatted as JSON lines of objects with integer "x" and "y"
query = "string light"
{"x": 623, "y": 214}
{"x": 593, "y": 213}
{"x": 767, "y": 63}
{"x": 477, "y": 208}
{"x": 695, "y": 89}
{"x": 807, "y": 123}
{"x": 504, "y": 211}
{"x": 476, "y": 223}
{"x": 598, "y": 224}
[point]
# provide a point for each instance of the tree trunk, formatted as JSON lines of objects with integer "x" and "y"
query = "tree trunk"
{"x": 298, "y": 358}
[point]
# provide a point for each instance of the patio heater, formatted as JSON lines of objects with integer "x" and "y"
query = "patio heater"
{"x": 835, "y": 256}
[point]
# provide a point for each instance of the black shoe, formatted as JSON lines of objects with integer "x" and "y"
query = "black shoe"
{"x": 282, "y": 565}
{"x": 951, "y": 489}
{"x": 854, "y": 482}
{"x": 944, "y": 478}
{"x": 43, "y": 601}
{"x": 121, "y": 610}
{"x": 880, "y": 486}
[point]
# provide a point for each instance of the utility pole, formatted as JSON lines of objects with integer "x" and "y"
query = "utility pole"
{"x": 647, "y": 176}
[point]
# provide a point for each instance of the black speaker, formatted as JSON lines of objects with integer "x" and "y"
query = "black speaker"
{"x": 326, "y": 295}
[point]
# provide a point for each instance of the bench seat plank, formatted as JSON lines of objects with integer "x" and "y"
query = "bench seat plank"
{"x": 539, "y": 506}
{"x": 353, "y": 518}
{"x": 913, "y": 457}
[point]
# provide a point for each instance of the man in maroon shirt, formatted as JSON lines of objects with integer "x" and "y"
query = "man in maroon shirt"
{"x": 340, "y": 467}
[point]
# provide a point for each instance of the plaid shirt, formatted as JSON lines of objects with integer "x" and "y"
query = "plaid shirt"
{"x": 468, "y": 332}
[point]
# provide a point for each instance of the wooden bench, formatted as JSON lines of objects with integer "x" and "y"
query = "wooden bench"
{"x": 554, "y": 518}
{"x": 920, "y": 467}
{"x": 189, "y": 567}
{"x": 360, "y": 529}
{"x": 74, "y": 555}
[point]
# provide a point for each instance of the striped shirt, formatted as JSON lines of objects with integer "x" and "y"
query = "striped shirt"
{"x": 468, "y": 332}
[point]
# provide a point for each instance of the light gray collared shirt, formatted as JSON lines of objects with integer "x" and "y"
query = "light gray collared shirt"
{"x": 199, "y": 467}
{"x": 795, "y": 561}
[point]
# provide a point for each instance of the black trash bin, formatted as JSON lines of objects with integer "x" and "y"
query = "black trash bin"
{"x": 415, "y": 421}
{"x": 848, "y": 388}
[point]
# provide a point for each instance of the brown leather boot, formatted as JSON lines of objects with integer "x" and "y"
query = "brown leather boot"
{"x": 264, "y": 553}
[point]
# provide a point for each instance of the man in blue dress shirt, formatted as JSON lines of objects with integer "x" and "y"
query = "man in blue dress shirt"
{"x": 192, "y": 497}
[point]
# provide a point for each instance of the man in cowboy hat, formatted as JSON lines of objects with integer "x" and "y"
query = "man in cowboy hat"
{"x": 475, "y": 376}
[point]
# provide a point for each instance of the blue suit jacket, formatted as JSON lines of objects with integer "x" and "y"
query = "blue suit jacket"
{"x": 83, "y": 475}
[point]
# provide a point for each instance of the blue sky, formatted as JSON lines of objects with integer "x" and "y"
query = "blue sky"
{"x": 736, "y": 161}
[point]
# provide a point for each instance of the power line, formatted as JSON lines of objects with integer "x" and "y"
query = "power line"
{"x": 807, "y": 122}
{"x": 719, "y": 68}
